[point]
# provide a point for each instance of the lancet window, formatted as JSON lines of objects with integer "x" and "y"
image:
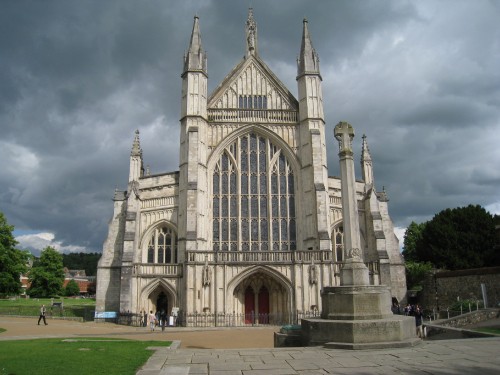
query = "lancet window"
{"x": 252, "y": 102}
{"x": 253, "y": 198}
{"x": 338, "y": 243}
{"x": 162, "y": 247}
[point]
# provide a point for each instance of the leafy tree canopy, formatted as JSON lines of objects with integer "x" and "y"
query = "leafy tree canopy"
{"x": 47, "y": 274}
{"x": 72, "y": 289}
{"x": 416, "y": 273}
{"x": 459, "y": 238}
{"x": 82, "y": 261}
{"x": 412, "y": 235}
{"x": 12, "y": 261}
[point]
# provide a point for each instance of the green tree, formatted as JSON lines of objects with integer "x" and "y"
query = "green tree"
{"x": 82, "y": 261}
{"x": 12, "y": 261}
{"x": 412, "y": 235}
{"x": 72, "y": 289}
{"x": 416, "y": 273}
{"x": 47, "y": 274}
{"x": 459, "y": 238}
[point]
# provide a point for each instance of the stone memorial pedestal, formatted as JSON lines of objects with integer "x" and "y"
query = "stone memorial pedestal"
{"x": 358, "y": 316}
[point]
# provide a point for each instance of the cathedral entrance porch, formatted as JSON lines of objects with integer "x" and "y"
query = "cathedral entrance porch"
{"x": 262, "y": 299}
{"x": 157, "y": 296}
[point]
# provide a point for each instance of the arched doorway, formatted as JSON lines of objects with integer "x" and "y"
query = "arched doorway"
{"x": 262, "y": 300}
{"x": 162, "y": 303}
{"x": 257, "y": 312}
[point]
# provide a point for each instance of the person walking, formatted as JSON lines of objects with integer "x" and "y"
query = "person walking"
{"x": 418, "y": 321}
{"x": 43, "y": 310}
{"x": 163, "y": 317}
{"x": 152, "y": 320}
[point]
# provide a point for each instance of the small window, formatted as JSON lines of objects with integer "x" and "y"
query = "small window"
{"x": 252, "y": 102}
{"x": 338, "y": 243}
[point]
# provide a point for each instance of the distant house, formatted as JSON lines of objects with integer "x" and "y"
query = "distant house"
{"x": 86, "y": 283}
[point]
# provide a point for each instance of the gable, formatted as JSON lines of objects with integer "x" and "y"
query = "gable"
{"x": 252, "y": 81}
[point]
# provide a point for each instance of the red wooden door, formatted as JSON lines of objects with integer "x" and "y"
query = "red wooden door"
{"x": 263, "y": 306}
{"x": 249, "y": 305}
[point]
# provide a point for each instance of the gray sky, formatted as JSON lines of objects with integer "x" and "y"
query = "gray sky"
{"x": 420, "y": 78}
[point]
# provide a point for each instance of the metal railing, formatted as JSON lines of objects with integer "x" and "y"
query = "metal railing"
{"x": 207, "y": 319}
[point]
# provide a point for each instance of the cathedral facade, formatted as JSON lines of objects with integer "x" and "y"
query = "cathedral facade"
{"x": 251, "y": 223}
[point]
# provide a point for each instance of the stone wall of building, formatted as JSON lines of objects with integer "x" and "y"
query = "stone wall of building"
{"x": 442, "y": 289}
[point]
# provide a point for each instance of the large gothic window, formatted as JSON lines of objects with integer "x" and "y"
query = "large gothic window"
{"x": 162, "y": 247}
{"x": 338, "y": 243}
{"x": 253, "y": 198}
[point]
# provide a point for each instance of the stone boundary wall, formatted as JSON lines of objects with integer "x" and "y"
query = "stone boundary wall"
{"x": 471, "y": 318}
{"x": 443, "y": 288}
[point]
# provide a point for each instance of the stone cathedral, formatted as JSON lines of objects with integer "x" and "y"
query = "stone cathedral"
{"x": 251, "y": 223}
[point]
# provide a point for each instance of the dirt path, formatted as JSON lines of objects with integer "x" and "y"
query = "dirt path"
{"x": 195, "y": 338}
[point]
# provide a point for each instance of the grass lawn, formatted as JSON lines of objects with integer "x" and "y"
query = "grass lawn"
{"x": 77, "y": 356}
{"x": 37, "y": 302}
{"x": 488, "y": 330}
{"x": 73, "y": 307}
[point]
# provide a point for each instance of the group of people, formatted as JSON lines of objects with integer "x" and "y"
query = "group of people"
{"x": 411, "y": 310}
{"x": 155, "y": 320}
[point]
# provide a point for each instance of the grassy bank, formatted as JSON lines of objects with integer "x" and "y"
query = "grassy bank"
{"x": 75, "y": 356}
{"x": 71, "y": 307}
{"x": 495, "y": 331}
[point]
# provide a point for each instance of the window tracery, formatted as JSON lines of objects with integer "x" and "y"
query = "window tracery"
{"x": 252, "y": 102}
{"x": 257, "y": 180}
{"x": 162, "y": 246}
{"x": 338, "y": 243}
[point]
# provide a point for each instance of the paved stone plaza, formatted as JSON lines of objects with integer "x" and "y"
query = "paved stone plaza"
{"x": 471, "y": 356}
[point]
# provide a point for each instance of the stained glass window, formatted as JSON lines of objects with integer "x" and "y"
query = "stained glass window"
{"x": 253, "y": 196}
{"x": 151, "y": 254}
{"x": 162, "y": 246}
{"x": 338, "y": 243}
{"x": 252, "y": 102}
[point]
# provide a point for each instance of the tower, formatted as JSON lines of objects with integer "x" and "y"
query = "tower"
{"x": 193, "y": 173}
{"x": 313, "y": 146}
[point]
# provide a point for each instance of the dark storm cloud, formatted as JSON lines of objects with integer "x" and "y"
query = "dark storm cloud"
{"x": 77, "y": 78}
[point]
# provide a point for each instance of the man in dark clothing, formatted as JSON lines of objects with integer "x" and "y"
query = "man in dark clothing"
{"x": 418, "y": 321}
{"x": 42, "y": 315}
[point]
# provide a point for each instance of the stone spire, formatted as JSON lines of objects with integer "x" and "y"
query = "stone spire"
{"x": 308, "y": 60}
{"x": 136, "y": 146}
{"x": 136, "y": 165}
{"x": 195, "y": 58}
{"x": 366, "y": 163}
{"x": 251, "y": 34}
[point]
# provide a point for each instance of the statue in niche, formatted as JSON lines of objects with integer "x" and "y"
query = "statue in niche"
{"x": 207, "y": 273}
{"x": 251, "y": 31}
{"x": 313, "y": 274}
{"x": 251, "y": 38}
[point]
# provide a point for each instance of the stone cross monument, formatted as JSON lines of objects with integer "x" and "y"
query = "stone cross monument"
{"x": 354, "y": 271}
{"x": 356, "y": 315}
